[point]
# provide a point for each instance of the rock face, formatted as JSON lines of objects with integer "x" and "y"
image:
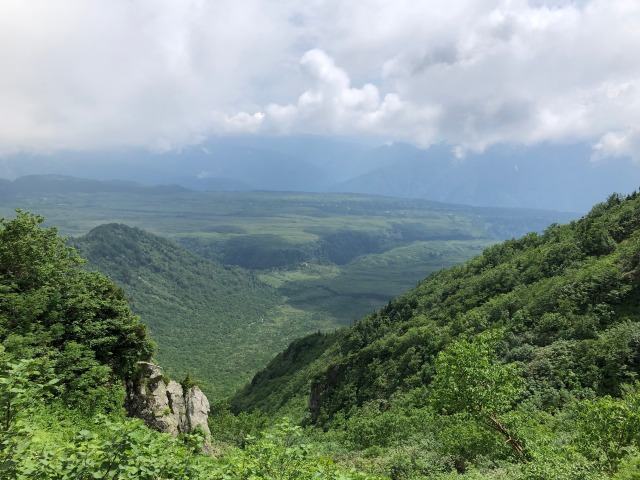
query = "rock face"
{"x": 166, "y": 407}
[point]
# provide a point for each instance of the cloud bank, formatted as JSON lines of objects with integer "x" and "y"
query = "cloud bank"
{"x": 85, "y": 74}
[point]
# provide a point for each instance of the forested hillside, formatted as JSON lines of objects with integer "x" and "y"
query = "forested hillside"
{"x": 521, "y": 363}
{"x": 336, "y": 257}
{"x": 68, "y": 343}
{"x": 322, "y": 261}
{"x": 213, "y": 322}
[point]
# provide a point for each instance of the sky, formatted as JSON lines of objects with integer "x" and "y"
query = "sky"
{"x": 161, "y": 74}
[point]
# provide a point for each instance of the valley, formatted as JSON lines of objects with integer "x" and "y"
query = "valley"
{"x": 326, "y": 240}
{"x": 521, "y": 362}
{"x": 225, "y": 280}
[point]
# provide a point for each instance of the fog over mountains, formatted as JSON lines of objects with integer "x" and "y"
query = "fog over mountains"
{"x": 556, "y": 177}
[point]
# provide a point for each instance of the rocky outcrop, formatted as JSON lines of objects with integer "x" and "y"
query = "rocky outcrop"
{"x": 164, "y": 404}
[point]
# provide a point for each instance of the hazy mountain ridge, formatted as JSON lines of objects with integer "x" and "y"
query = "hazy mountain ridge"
{"x": 52, "y": 184}
{"x": 500, "y": 176}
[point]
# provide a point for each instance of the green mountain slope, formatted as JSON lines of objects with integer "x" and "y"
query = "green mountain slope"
{"x": 374, "y": 246}
{"x": 212, "y": 321}
{"x": 522, "y": 363}
{"x": 68, "y": 345}
{"x": 566, "y": 295}
{"x": 562, "y": 309}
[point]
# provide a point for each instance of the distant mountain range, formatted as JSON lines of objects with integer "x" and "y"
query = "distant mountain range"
{"x": 54, "y": 184}
{"x": 546, "y": 177}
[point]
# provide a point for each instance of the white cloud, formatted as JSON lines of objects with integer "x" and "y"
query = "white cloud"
{"x": 473, "y": 73}
{"x": 331, "y": 104}
{"x": 239, "y": 123}
{"x": 617, "y": 144}
{"x": 87, "y": 73}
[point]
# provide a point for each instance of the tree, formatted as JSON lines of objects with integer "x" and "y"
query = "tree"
{"x": 470, "y": 380}
{"x": 609, "y": 428}
{"x": 77, "y": 325}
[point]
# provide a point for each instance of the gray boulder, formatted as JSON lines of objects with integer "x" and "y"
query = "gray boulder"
{"x": 167, "y": 406}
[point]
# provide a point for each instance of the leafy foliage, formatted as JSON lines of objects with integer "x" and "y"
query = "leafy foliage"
{"x": 610, "y": 428}
{"x": 34, "y": 444}
{"x": 551, "y": 383}
{"x": 211, "y": 321}
{"x": 69, "y": 340}
{"x": 76, "y": 325}
{"x": 279, "y": 454}
{"x": 328, "y": 259}
{"x": 537, "y": 339}
{"x": 470, "y": 380}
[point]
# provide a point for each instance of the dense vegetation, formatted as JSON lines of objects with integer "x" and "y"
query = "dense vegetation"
{"x": 338, "y": 257}
{"x": 75, "y": 325}
{"x": 363, "y": 250}
{"x": 211, "y": 321}
{"x": 521, "y": 363}
{"x": 67, "y": 343}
